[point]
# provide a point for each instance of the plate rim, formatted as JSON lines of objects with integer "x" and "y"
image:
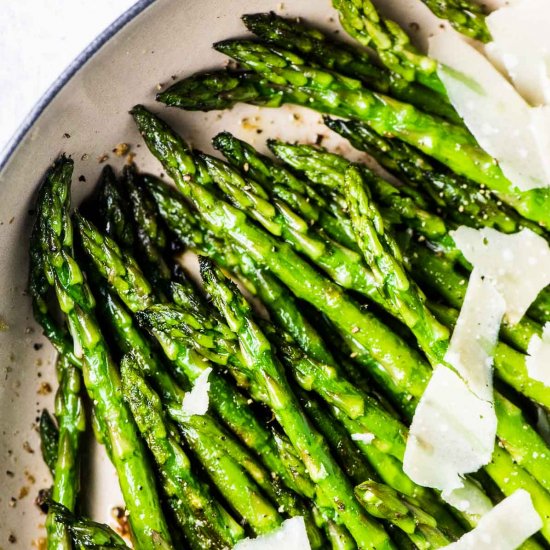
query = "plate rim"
{"x": 59, "y": 83}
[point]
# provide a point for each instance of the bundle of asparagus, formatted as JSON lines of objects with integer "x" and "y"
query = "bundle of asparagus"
{"x": 224, "y": 419}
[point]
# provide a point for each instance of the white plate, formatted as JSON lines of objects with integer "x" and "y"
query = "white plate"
{"x": 86, "y": 116}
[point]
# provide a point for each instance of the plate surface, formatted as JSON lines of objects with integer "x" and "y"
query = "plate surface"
{"x": 86, "y": 119}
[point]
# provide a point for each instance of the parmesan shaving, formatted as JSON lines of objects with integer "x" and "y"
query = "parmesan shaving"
{"x": 475, "y": 335}
{"x": 506, "y": 527}
{"x": 518, "y": 264}
{"x": 498, "y": 117}
{"x": 522, "y": 43}
{"x": 291, "y": 535}
{"x": 452, "y": 433}
{"x": 364, "y": 438}
{"x": 469, "y": 498}
{"x": 196, "y": 401}
{"x": 538, "y": 358}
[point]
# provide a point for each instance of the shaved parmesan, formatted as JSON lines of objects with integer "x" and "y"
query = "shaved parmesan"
{"x": 196, "y": 401}
{"x": 506, "y": 527}
{"x": 498, "y": 117}
{"x": 538, "y": 358}
{"x": 452, "y": 433}
{"x": 475, "y": 334}
{"x": 518, "y": 264}
{"x": 291, "y": 535}
{"x": 469, "y": 498}
{"x": 522, "y": 43}
{"x": 364, "y": 438}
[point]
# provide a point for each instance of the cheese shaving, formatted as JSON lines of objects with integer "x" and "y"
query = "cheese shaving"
{"x": 475, "y": 335}
{"x": 538, "y": 358}
{"x": 494, "y": 112}
{"x": 366, "y": 438}
{"x": 452, "y": 433}
{"x": 291, "y": 535}
{"x": 469, "y": 498}
{"x": 518, "y": 264}
{"x": 506, "y": 527}
{"x": 522, "y": 43}
{"x": 196, "y": 401}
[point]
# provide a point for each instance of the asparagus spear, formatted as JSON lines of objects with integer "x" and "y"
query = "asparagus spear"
{"x": 327, "y": 169}
{"x": 85, "y": 533}
{"x": 127, "y": 280}
{"x": 282, "y": 184}
{"x": 331, "y": 93}
{"x": 132, "y": 341}
{"x": 49, "y": 439}
{"x": 379, "y": 249}
{"x": 38, "y": 282}
{"x": 150, "y": 239}
{"x": 65, "y": 457}
{"x": 283, "y": 308}
{"x": 339, "y": 56}
{"x": 362, "y": 21}
{"x": 465, "y": 16}
{"x": 112, "y": 205}
{"x": 347, "y": 316}
{"x": 366, "y": 331}
{"x": 205, "y": 523}
{"x": 263, "y": 367}
{"x": 99, "y": 372}
{"x": 461, "y": 199}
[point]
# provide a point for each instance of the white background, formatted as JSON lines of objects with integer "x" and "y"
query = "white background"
{"x": 38, "y": 40}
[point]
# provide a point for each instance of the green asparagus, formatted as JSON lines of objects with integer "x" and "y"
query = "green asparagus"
{"x": 205, "y": 523}
{"x": 262, "y": 365}
{"x": 49, "y": 439}
{"x": 331, "y": 93}
{"x": 361, "y": 20}
{"x": 339, "y": 56}
{"x": 466, "y": 16}
{"x": 99, "y": 372}
{"x": 229, "y": 222}
{"x": 86, "y": 534}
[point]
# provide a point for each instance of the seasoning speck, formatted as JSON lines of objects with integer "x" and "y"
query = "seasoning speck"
{"x": 102, "y": 158}
{"x": 44, "y": 389}
{"x": 121, "y": 149}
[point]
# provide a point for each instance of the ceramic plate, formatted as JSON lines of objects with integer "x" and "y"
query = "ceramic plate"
{"x": 85, "y": 115}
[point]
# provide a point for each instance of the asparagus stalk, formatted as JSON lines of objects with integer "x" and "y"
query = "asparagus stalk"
{"x": 267, "y": 252}
{"x": 284, "y": 185}
{"x": 127, "y": 280}
{"x": 362, "y": 21}
{"x": 461, "y": 199}
{"x": 465, "y": 16}
{"x": 71, "y": 422}
{"x": 150, "y": 239}
{"x": 327, "y": 169}
{"x": 49, "y": 439}
{"x": 150, "y": 365}
{"x": 262, "y": 365}
{"x": 204, "y": 522}
{"x": 379, "y": 249}
{"x": 99, "y": 372}
{"x": 339, "y": 56}
{"x": 38, "y": 282}
{"x": 331, "y": 93}
{"x": 283, "y": 308}
{"x": 86, "y": 534}
{"x": 343, "y": 265}
{"x": 112, "y": 205}
{"x": 366, "y": 331}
